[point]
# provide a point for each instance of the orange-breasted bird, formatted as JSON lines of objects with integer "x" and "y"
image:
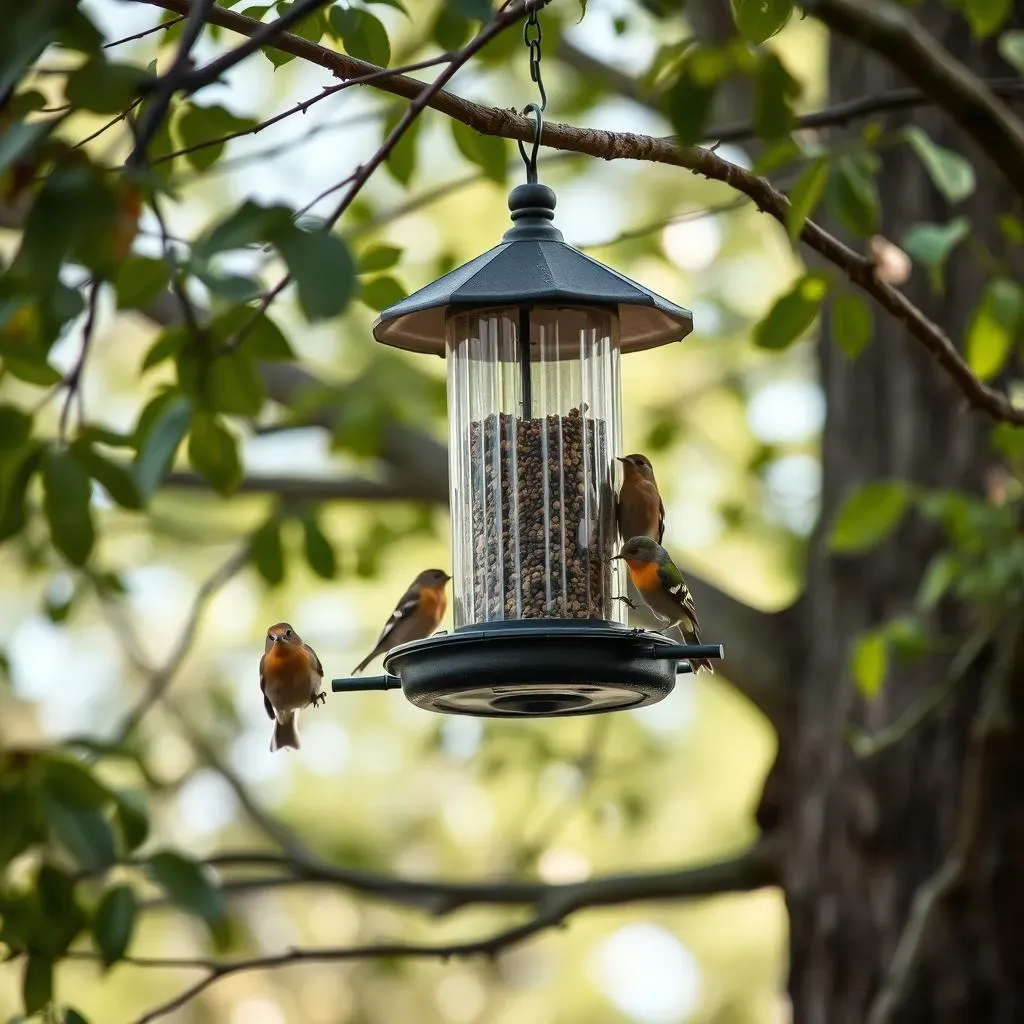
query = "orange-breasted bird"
{"x": 641, "y": 511}
{"x": 661, "y": 585}
{"x": 417, "y": 614}
{"x": 290, "y": 678}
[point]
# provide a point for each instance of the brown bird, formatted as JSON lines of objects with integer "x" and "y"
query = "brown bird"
{"x": 290, "y": 678}
{"x": 641, "y": 512}
{"x": 417, "y": 614}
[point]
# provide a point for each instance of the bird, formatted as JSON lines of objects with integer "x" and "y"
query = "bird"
{"x": 641, "y": 512}
{"x": 290, "y": 679}
{"x": 664, "y": 590}
{"x": 417, "y": 614}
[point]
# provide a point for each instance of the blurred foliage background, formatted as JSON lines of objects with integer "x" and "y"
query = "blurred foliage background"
{"x": 732, "y": 428}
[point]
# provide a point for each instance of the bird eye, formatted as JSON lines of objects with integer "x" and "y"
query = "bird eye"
{"x": 287, "y": 633}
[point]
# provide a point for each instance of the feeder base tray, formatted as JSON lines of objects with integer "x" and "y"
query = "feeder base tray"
{"x": 541, "y": 668}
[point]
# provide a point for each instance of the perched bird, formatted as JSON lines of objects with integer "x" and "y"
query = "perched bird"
{"x": 290, "y": 678}
{"x": 641, "y": 512}
{"x": 663, "y": 589}
{"x": 417, "y": 614}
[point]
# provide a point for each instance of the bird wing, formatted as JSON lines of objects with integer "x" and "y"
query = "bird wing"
{"x": 268, "y": 707}
{"x": 317, "y": 667}
{"x": 407, "y": 605}
{"x": 674, "y": 584}
{"x": 661, "y": 519}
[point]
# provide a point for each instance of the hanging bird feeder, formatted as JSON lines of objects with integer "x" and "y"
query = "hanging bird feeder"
{"x": 532, "y": 332}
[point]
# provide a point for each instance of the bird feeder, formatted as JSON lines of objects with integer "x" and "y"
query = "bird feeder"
{"x": 532, "y": 332}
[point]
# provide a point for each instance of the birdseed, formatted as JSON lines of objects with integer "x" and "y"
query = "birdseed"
{"x": 543, "y": 515}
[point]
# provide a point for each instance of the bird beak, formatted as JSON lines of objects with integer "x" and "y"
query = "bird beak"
{"x": 619, "y": 458}
{"x": 617, "y": 558}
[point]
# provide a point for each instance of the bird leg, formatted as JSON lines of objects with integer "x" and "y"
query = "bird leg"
{"x": 318, "y": 699}
{"x": 628, "y": 602}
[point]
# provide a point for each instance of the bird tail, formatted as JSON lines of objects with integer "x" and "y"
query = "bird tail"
{"x": 286, "y": 732}
{"x": 696, "y": 664}
{"x": 366, "y": 661}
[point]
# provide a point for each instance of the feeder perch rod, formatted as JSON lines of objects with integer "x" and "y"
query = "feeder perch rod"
{"x": 384, "y": 682}
{"x": 681, "y": 652}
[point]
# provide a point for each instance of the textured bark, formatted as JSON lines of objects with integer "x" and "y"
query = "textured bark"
{"x": 862, "y": 835}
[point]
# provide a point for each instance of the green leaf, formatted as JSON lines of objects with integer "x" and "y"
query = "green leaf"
{"x": 474, "y": 10}
{"x": 380, "y": 292}
{"x": 116, "y": 479}
{"x": 186, "y": 884}
{"x": 485, "y": 151}
{"x": 114, "y": 922}
{"x": 773, "y": 114}
{"x": 323, "y": 269}
{"x": 932, "y": 244}
{"x": 200, "y": 125}
{"x": 132, "y": 818}
{"x": 86, "y": 835}
{"x": 104, "y": 87}
{"x": 62, "y": 917}
{"x": 15, "y": 476}
{"x": 869, "y": 515}
{"x": 1009, "y": 440}
{"x": 805, "y": 195}
{"x": 21, "y": 138}
{"x": 361, "y": 34}
{"x": 37, "y": 983}
{"x": 139, "y": 281}
{"x": 213, "y": 452}
{"x": 70, "y": 783}
{"x": 401, "y": 161}
{"x": 310, "y": 28}
{"x": 940, "y": 575}
{"x": 319, "y": 553}
{"x": 396, "y": 4}
{"x": 792, "y": 314}
{"x": 951, "y": 173}
{"x": 167, "y": 346}
{"x": 759, "y": 20}
{"x": 72, "y": 1016}
{"x": 232, "y": 385}
{"x": 852, "y": 323}
{"x": 268, "y": 553}
{"x": 249, "y": 224}
{"x": 1011, "y": 49}
{"x": 66, "y": 495}
{"x": 263, "y": 338}
{"x": 688, "y": 105}
{"x": 869, "y": 662}
{"x": 41, "y": 374}
{"x": 160, "y": 444}
{"x": 379, "y": 257}
{"x": 852, "y": 193}
{"x": 15, "y": 428}
{"x": 995, "y": 325}
{"x": 984, "y": 16}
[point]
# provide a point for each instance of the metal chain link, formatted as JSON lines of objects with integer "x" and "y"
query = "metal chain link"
{"x": 532, "y": 36}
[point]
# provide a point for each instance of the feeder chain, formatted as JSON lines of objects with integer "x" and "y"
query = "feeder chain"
{"x": 532, "y": 36}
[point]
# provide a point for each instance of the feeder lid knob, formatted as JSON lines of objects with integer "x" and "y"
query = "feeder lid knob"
{"x": 533, "y": 209}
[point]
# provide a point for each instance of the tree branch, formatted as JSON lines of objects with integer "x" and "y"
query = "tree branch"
{"x": 895, "y": 34}
{"x": 754, "y": 869}
{"x": 626, "y": 146}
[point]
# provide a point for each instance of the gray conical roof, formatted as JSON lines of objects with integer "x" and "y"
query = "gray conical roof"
{"x": 532, "y": 266}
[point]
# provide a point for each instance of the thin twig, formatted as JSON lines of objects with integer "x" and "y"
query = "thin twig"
{"x": 304, "y": 105}
{"x": 163, "y": 676}
{"x": 110, "y": 124}
{"x": 72, "y": 383}
{"x": 146, "y": 32}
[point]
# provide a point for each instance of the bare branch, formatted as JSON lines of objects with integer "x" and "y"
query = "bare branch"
{"x": 72, "y": 382}
{"x": 992, "y": 727}
{"x": 162, "y": 27}
{"x": 754, "y": 869}
{"x": 627, "y": 146}
{"x": 162, "y": 677}
{"x": 894, "y": 33}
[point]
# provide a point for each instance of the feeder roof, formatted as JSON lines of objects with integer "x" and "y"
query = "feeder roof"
{"x": 532, "y": 266}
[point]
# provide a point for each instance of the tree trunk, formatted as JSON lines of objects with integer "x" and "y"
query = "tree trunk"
{"x": 863, "y": 835}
